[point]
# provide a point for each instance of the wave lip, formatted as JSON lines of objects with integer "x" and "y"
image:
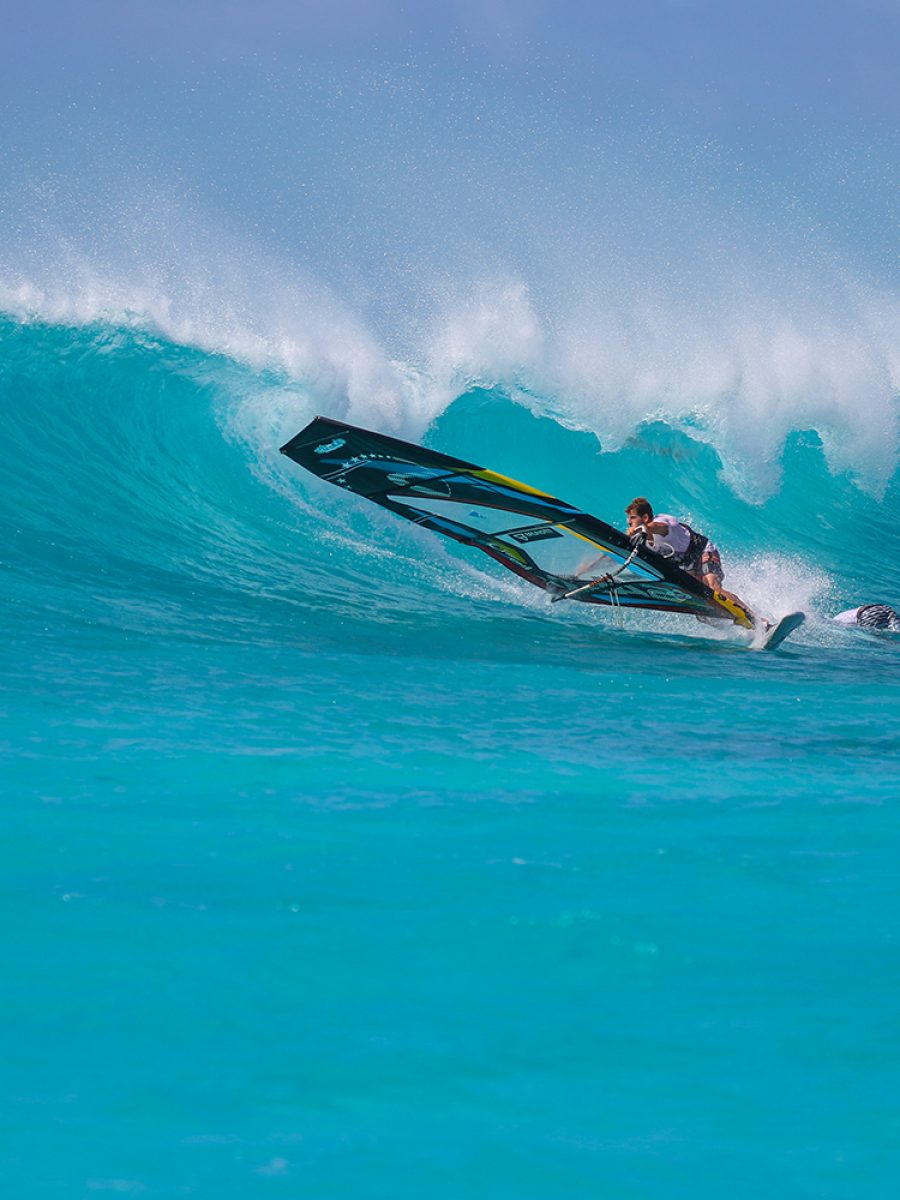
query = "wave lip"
{"x": 742, "y": 371}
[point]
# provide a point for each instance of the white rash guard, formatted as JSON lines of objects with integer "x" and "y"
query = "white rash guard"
{"x": 673, "y": 543}
{"x": 847, "y": 618}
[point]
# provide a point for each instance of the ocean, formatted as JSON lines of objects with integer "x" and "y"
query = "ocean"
{"x": 339, "y": 862}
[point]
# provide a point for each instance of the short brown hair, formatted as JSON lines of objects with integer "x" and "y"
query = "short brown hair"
{"x": 640, "y": 505}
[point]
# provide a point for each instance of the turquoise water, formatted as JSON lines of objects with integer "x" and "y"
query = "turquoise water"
{"x": 339, "y": 864}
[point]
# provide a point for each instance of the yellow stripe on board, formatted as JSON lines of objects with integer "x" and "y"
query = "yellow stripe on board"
{"x": 737, "y": 611}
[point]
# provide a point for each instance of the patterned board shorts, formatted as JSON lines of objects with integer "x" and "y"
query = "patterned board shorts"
{"x": 878, "y": 616}
{"x": 711, "y": 564}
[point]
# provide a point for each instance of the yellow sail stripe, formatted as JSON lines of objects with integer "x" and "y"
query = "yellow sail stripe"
{"x": 505, "y": 481}
{"x": 585, "y": 538}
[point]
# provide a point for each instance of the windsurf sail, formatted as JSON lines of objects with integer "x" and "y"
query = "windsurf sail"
{"x": 535, "y": 535}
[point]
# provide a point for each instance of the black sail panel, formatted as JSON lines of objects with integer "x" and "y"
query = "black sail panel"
{"x": 537, "y": 536}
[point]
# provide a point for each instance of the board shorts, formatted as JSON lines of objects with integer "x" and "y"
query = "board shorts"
{"x": 711, "y": 564}
{"x": 878, "y": 616}
{"x": 702, "y": 558}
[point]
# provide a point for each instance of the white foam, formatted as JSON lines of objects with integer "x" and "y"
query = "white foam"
{"x": 738, "y": 354}
{"x": 774, "y": 585}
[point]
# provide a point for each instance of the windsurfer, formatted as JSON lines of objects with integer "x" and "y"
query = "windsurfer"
{"x": 673, "y": 539}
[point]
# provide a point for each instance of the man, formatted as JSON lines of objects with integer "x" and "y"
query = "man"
{"x": 870, "y": 616}
{"x": 674, "y": 540}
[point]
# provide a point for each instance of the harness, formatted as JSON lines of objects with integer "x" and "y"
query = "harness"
{"x": 692, "y": 559}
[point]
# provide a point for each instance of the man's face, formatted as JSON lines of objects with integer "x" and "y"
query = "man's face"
{"x": 636, "y": 520}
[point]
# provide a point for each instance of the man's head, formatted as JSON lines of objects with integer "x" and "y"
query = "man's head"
{"x": 639, "y": 512}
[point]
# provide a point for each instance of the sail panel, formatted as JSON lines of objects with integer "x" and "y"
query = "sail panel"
{"x": 537, "y": 536}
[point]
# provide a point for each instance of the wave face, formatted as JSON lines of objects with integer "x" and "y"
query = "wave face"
{"x": 143, "y": 485}
{"x": 336, "y": 855}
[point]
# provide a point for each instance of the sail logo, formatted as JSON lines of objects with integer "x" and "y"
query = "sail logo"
{"x": 327, "y": 447}
{"x": 534, "y": 533}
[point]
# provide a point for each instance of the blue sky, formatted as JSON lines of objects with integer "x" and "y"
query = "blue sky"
{"x": 527, "y": 121}
{"x": 721, "y": 60}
